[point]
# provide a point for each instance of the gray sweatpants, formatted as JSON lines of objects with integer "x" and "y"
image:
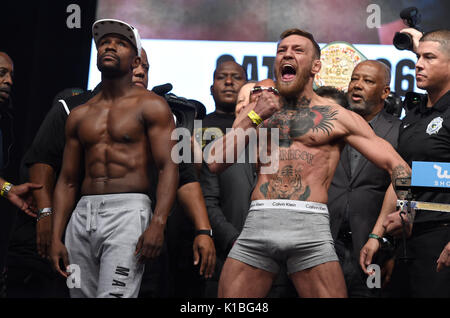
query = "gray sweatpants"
{"x": 101, "y": 239}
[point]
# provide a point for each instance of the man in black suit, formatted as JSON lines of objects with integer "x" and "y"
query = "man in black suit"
{"x": 358, "y": 187}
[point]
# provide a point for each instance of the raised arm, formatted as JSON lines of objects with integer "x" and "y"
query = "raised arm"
{"x": 159, "y": 122}
{"x": 66, "y": 190}
{"x": 227, "y": 146}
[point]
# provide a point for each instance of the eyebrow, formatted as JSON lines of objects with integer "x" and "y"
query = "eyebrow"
{"x": 229, "y": 72}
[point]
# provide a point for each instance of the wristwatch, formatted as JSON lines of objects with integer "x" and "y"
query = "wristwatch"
{"x": 43, "y": 213}
{"x": 204, "y": 232}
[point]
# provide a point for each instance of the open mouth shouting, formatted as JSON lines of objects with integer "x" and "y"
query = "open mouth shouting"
{"x": 288, "y": 72}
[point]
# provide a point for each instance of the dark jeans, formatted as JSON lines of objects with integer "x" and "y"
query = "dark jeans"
{"x": 417, "y": 277}
{"x": 155, "y": 280}
{"x": 355, "y": 278}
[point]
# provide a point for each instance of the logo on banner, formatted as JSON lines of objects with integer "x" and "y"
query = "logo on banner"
{"x": 338, "y": 61}
{"x": 434, "y": 126}
{"x": 430, "y": 174}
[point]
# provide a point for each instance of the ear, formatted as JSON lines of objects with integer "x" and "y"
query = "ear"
{"x": 386, "y": 92}
{"x": 316, "y": 66}
{"x": 211, "y": 89}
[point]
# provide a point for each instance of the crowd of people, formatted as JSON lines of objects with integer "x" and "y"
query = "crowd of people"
{"x": 102, "y": 191}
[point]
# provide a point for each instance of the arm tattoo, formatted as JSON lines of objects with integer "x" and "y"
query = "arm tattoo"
{"x": 287, "y": 184}
{"x": 397, "y": 173}
{"x": 400, "y": 172}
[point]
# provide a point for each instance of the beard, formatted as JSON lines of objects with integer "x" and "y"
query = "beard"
{"x": 110, "y": 70}
{"x": 293, "y": 88}
{"x": 364, "y": 108}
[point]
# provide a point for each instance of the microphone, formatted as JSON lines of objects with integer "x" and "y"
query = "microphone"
{"x": 410, "y": 16}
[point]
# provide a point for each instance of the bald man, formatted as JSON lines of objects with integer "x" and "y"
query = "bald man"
{"x": 140, "y": 73}
{"x": 358, "y": 187}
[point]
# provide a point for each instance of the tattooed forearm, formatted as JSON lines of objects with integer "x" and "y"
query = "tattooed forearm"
{"x": 400, "y": 171}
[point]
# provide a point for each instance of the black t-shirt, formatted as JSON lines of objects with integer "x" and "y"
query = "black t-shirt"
{"x": 48, "y": 148}
{"x": 425, "y": 136}
{"x": 48, "y": 145}
{"x": 219, "y": 123}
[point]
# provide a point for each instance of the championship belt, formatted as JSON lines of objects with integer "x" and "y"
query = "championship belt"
{"x": 338, "y": 61}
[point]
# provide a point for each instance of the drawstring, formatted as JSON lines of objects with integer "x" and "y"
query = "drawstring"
{"x": 91, "y": 219}
{"x": 88, "y": 216}
{"x": 94, "y": 220}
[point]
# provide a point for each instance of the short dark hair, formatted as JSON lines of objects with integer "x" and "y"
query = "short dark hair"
{"x": 309, "y": 36}
{"x": 442, "y": 36}
{"x": 333, "y": 93}
{"x": 229, "y": 60}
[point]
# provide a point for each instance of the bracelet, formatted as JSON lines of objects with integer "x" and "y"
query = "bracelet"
{"x": 5, "y": 189}
{"x": 374, "y": 236}
{"x": 254, "y": 117}
{"x": 42, "y": 213}
{"x": 378, "y": 238}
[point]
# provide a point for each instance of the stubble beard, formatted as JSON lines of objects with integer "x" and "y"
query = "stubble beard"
{"x": 293, "y": 88}
{"x": 110, "y": 71}
{"x": 364, "y": 108}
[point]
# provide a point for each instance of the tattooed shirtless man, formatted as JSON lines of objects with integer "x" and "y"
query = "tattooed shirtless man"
{"x": 288, "y": 221}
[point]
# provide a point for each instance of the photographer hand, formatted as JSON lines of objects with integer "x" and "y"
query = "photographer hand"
{"x": 415, "y": 34}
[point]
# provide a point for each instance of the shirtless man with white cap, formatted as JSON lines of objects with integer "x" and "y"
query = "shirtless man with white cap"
{"x": 114, "y": 138}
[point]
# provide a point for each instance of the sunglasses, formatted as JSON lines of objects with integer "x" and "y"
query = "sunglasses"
{"x": 259, "y": 89}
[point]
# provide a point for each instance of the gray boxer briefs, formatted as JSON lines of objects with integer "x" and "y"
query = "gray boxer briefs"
{"x": 101, "y": 239}
{"x": 295, "y": 234}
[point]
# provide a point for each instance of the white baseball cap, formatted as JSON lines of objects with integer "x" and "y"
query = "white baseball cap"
{"x": 107, "y": 26}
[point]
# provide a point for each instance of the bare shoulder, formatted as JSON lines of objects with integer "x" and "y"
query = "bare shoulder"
{"x": 78, "y": 113}
{"x": 154, "y": 107}
{"x": 328, "y": 104}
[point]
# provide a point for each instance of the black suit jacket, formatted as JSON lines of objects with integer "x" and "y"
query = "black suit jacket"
{"x": 362, "y": 193}
{"x": 227, "y": 198}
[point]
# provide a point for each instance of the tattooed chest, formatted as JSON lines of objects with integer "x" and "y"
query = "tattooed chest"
{"x": 296, "y": 123}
